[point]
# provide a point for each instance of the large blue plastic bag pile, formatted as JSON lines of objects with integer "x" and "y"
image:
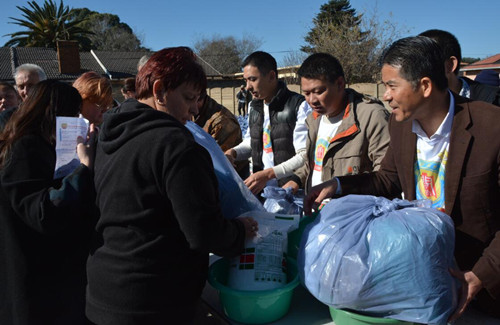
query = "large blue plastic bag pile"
{"x": 235, "y": 197}
{"x": 280, "y": 200}
{"x": 381, "y": 258}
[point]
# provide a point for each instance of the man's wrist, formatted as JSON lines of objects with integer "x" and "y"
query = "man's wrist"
{"x": 338, "y": 191}
{"x": 270, "y": 174}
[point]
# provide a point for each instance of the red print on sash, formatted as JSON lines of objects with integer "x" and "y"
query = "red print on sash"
{"x": 429, "y": 185}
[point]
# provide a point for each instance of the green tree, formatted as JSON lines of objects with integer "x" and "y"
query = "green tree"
{"x": 335, "y": 14}
{"x": 355, "y": 40}
{"x": 225, "y": 54}
{"x": 108, "y": 32}
{"x": 46, "y": 25}
{"x": 470, "y": 60}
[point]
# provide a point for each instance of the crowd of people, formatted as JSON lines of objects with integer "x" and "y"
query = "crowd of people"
{"x": 125, "y": 237}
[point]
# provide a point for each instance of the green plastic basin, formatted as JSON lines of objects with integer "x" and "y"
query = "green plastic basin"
{"x": 295, "y": 236}
{"x": 344, "y": 317}
{"x": 253, "y": 307}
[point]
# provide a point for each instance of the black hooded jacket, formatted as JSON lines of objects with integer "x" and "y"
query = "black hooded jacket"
{"x": 45, "y": 227}
{"x": 160, "y": 217}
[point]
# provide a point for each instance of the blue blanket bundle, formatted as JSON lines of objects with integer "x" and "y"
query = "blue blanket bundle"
{"x": 235, "y": 197}
{"x": 381, "y": 258}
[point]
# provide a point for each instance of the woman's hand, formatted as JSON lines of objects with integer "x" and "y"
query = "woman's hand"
{"x": 86, "y": 149}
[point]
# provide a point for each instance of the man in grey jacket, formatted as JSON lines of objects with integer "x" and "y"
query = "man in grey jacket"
{"x": 347, "y": 130}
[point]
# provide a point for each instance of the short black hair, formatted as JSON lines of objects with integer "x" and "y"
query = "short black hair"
{"x": 262, "y": 61}
{"x": 321, "y": 66}
{"x": 448, "y": 42}
{"x": 417, "y": 57}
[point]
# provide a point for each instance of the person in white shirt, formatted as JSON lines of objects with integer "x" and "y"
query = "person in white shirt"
{"x": 276, "y": 134}
{"x": 348, "y": 131}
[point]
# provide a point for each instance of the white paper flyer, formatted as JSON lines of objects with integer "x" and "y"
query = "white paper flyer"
{"x": 68, "y": 129}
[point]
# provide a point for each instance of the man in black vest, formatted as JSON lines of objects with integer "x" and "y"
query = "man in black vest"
{"x": 276, "y": 135}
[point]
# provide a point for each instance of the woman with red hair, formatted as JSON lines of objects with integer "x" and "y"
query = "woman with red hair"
{"x": 158, "y": 198}
{"x": 97, "y": 95}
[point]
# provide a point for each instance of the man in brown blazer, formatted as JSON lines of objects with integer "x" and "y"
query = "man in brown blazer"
{"x": 416, "y": 89}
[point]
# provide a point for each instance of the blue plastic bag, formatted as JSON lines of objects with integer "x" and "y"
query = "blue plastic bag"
{"x": 280, "y": 200}
{"x": 235, "y": 197}
{"x": 381, "y": 258}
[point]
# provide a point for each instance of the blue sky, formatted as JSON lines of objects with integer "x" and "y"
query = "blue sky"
{"x": 282, "y": 24}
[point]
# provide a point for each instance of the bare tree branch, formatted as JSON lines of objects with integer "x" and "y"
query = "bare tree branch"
{"x": 225, "y": 54}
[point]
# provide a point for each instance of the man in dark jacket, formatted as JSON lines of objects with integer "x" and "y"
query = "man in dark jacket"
{"x": 444, "y": 148}
{"x": 242, "y": 100}
{"x": 276, "y": 135}
{"x": 222, "y": 125}
{"x": 218, "y": 121}
{"x": 488, "y": 77}
{"x": 461, "y": 85}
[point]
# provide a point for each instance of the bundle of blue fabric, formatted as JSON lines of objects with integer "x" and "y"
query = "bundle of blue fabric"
{"x": 381, "y": 258}
{"x": 279, "y": 200}
{"x": 235, "y": 197}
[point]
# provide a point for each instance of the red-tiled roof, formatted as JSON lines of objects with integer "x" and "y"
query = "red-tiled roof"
{"x": 492, "y": 59}
{"x": 492, "y": 62}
